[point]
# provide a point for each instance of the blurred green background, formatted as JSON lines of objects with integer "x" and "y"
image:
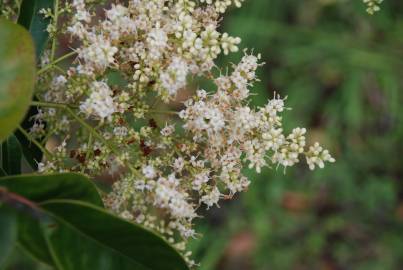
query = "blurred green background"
{"x": 342, "y": 71}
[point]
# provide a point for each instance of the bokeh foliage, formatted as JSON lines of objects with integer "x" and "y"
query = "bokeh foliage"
{"x": 342, "y": 71}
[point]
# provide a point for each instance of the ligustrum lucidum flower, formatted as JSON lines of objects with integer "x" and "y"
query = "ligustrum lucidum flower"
{"x": 372, "y": 5}
{"x": 168, "y": 163}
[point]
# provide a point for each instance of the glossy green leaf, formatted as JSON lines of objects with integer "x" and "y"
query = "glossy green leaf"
{"x": 17, "y": 75}
{"x": 8, "y": 233}
{"x": 32, "y": 239}
{"x": 34, "y": 22}
{"x": 11, "y": 156}
{"x": 39, "y": 188}
{"x": 104, "y": 241}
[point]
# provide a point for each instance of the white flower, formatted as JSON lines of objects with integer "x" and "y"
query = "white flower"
{"x": 211, "y": 198}
{"x": 255, "y": 154}
{"x": 200, "y": 179}
{"x": 200, "y": 117}
{"x": 119, "y": 22}
{"x": 273, "y": 139}
{"x": 174, "y": 77}
{"x": 317, "y": 156}
{"x": 100, "y": 102}
{"x": 99, "y": 54}
{"x": 58, "y": 82}
{"x": 244, "y": 74}
{"x": 78, "y": 29}
{"x": 167, "y": 130}
{"x": 126, "y": 215}
{"x": 46, "y": 167}
{"x": 222, "y": 5}
{"x": 274, "y": 106}
{"x": 157, "y": 40}
{"x": 149, "y": 172}
{"x": 81, "y": 13}
{"x": 373, "y": 5}
{"x": 245, "y": 119}
{"x": 178, "y": 165}
{"x": 202, "y": 94}
{"x": 116, "y": 12}
{"x": 229, "y": 43}
{"x": 168, "y": 197}
{"x": 120, "y": 131}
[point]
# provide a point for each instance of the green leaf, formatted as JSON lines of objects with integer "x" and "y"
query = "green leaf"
{"x": 11, "y": 156}
{"x": 39, "y": 188}
{"x": 72, "y": 234}
{"x": 8, "y": 233}
{"x": 17, "y": 75}
{"x": 32, "y": 239}
{"x": 104, "y": 241}
{"x": 34, "y": 22}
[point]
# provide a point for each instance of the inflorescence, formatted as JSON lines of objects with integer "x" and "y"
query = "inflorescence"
{"x": 373, "y": 5}
{"x": 196, "y": 156}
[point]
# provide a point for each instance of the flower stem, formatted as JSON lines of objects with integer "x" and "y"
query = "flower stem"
{"x": 163, "y": 112}
{"x": 87, "y": 156}
{"x": 99, "y": 137}
{"x": 54, "y": 41}
{"x": 84, "y": 124}
{"x": 29, "y": 137}
{"x": 53, "y": 63}
{"x": 52, "y": 104}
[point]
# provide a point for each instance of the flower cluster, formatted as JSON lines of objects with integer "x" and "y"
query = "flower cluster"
{"x": 167, "y": 163}
{"x": 156, "y": 43}
{"x": 9, "y": 9}
{"x": 372, "y": 5}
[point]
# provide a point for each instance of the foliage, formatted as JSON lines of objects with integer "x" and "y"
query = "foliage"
{"x": 62, "y": 223}
{"x": 17, "y": 75}
{"x": 29, "y": 18}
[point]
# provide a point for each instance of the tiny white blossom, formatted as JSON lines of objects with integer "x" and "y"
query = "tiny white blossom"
{"x": 149, "y": 172}
{"x": 100, "y": 101}
{"x": 167, "y": 130}
{"x": 174, "y": 78}
{"x": 99, "y": 54}
{"x": 211, "y": 198}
